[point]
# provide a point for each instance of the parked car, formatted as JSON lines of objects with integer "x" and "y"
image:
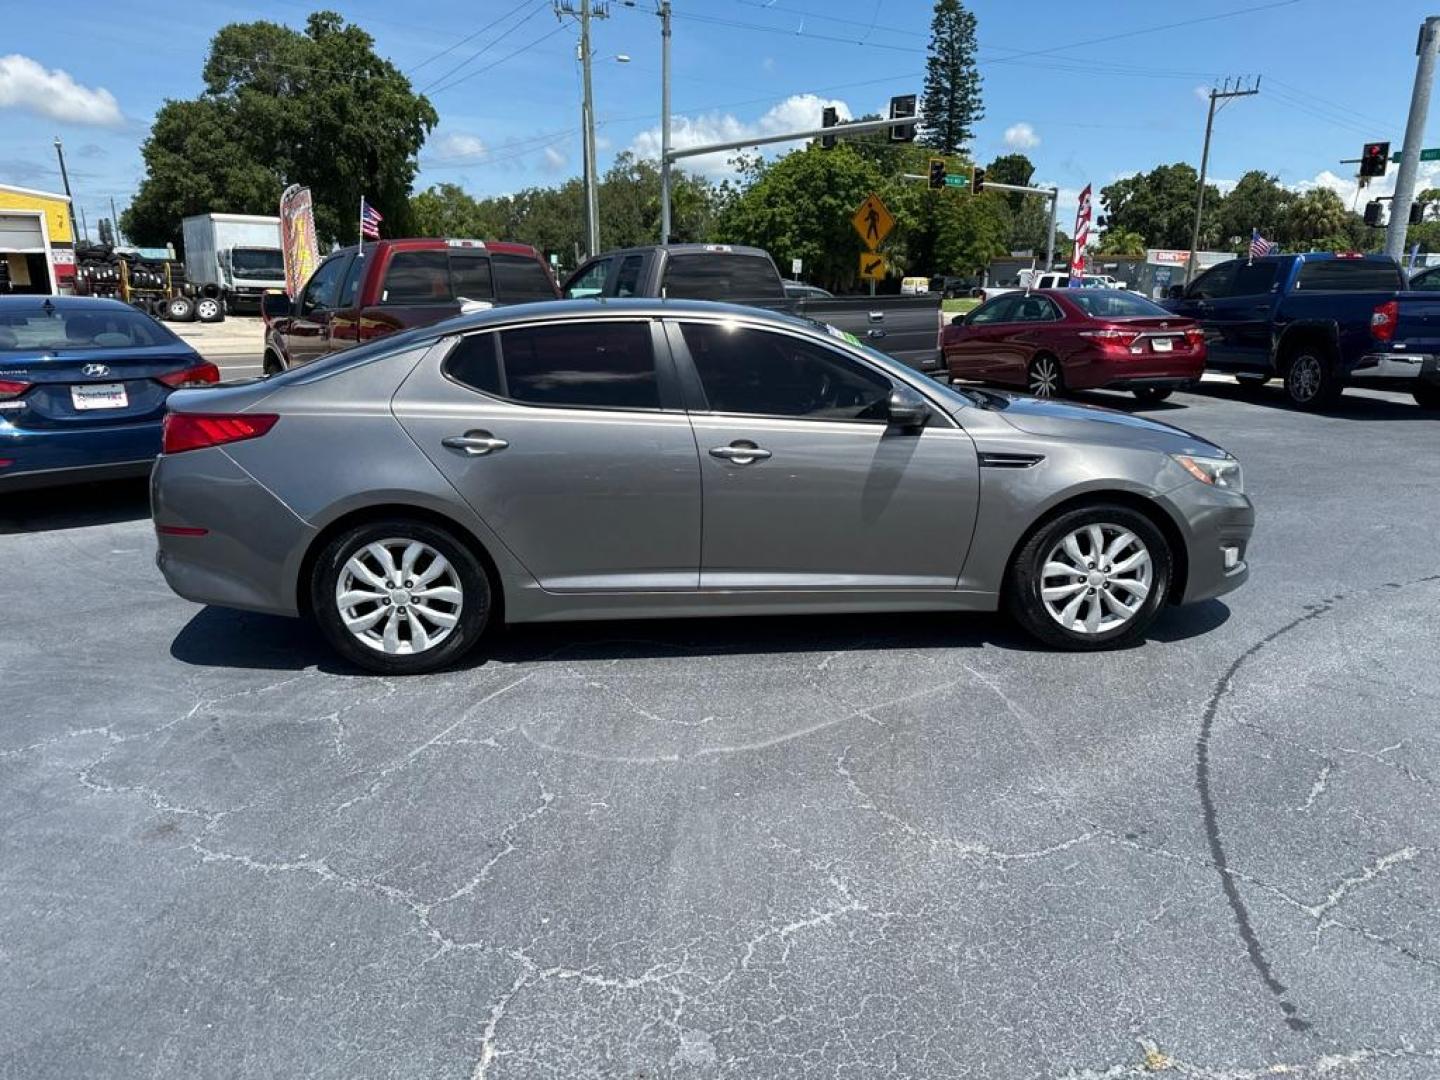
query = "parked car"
{"x": 540, "y": 462}
{"x": 1321, "y": 322}
{"x": 83, "y": 385}
{"x": 914, "y": 286}
{"x": 1425, "y": 280}
{"x": 1057, "y": 340}
{"x": 235, "y": 258}
{"x": 906, "y": 327}
{"x": 949, "y": 286}
{"x": 354, "y": 296}
{"x": 1037, "y": 279}
{"x": 798, "y": 290}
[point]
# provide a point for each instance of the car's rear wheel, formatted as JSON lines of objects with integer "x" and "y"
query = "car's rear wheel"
{"x": 1427, "y": 395}
{"x": 1251, "y": 384}
{"x": 1044, "y": 379}
{"x": 1310, "y": 381}
{"x": 1092, "y": 578}
{"x": 1150, "y": 395}
{"x": 400, "y": 597}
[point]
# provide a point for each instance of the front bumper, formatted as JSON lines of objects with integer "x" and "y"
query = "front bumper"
{"x": 1218, "y": 526}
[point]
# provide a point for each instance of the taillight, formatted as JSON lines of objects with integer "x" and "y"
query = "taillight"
{"x": 12, "y": 388}
{"x": 1195, "y": 336}
{"x": 1383, "y": 320}
{"x": 1116, "y": 339}
{"x": 199, "y": 375}
{"x": 195, "y": 431}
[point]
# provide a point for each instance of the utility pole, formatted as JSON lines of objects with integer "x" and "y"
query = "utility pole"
{"x": 664, "y": 121}
{"x": 1414, "y": 135}
{"x": 1223, "y": 96}
{"x": 1050, "y": 236}
{"x": 115, "y": 221}
{"x": 588, "y": 10}
{"x": 65, "y": 179}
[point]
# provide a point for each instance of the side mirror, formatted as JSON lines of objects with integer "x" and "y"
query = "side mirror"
{"x": 275, "y": 305}
{"x": 907, "y": 409}
{"x": 960, "y": 320}
{"x": 1175, "y": 292}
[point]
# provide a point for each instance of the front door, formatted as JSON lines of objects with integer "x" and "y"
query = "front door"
{"x": 806, "y": 486}
{"x": 570, "y": 442}
{"x": 307, "y": 337}
{"x": 979, "y": 352}
{"x": 1208, "y": 300}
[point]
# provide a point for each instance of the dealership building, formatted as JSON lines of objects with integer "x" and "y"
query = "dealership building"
{"x": 37, "y": 242}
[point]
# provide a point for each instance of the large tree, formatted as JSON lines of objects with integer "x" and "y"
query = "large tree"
{"x": 951, "y": 106}
{"x": 282, "y": 106}
{"x": 1160, "y": 206}
{"x": 1256, "y": 202}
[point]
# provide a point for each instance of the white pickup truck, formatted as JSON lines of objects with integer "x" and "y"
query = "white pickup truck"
{"x": 1048, "y": 279}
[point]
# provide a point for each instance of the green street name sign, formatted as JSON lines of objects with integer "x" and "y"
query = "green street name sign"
{"x": 1425, "y": 155}
{"x": 962, "y": 180}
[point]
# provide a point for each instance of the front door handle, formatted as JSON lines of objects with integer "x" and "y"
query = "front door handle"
{"x": 740, "y": 452}
{"x": 474, "y": 443}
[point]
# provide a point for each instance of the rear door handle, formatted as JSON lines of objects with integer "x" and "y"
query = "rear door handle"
{"x": 474, "y": 443}
{"x": 740, "y": 452}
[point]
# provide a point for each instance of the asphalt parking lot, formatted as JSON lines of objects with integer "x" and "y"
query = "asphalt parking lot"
{"x": 844, "y": 847}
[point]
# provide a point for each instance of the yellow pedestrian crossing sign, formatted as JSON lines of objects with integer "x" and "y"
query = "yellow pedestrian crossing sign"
{"x": 872, "y": 266}
{"x": 872, "y": 221}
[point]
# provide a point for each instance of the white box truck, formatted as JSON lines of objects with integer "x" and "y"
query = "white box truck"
{"x": 235, "y": 258}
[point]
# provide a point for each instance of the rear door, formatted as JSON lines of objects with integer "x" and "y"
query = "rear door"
{"x": 1031, "y": 320}
{"x": 806, "y": 485}
{"x": 570, "y": 440}
{"x": 308, "y": 335}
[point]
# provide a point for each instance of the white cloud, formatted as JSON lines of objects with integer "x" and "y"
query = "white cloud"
{"x": 554, "y": 159}
{"x": 1202, "y": 94}
{"x": 457, "y": 144}
{"x": 1021, "y": 136}
{"x": 795, "y": 113}
{"x": 25, "y": 84}
{"x": 1426, "y": 176}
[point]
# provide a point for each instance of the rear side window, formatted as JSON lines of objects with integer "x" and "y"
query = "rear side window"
{"x": 470, "y": 277}
{"x": 474, "y": 362}
{"x": 519, "y": 278}
{"x": 596, "y": 365}
{"x": 1349, "y": 275}
{"x": 1255, "y": 279}
{"x": 716, "y": 276}
{"x": 417, "y": 277}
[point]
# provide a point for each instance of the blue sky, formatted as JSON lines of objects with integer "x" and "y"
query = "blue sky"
{"x": 1090, "y": 91}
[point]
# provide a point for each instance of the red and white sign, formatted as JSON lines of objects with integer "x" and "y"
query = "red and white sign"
{"x": 1169, "y": 258}
{"x": 1082, "y": 238}
{"x": 63, "y": 260}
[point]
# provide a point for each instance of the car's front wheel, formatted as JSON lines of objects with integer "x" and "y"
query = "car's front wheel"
{"x": 1092, "y": 578}
{"x": 400, "y": 597}
{"x": 1044, "y": 379}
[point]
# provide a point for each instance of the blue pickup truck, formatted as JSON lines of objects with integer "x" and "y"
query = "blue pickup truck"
{"x": 1319, "y": 321}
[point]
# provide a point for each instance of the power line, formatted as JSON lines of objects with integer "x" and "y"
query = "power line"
{"x": 481, "y": 51}
{"x": 472, "y": 36}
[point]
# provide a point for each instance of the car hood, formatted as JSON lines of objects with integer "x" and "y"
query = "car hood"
{"x": 1091, "y": 423}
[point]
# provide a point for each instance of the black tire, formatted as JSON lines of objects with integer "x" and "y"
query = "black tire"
{"x": 1427, "y": 395}
{"x": 1251, "y": 384}
{"x": 1024, "y": 580}
{"x": 1044, "y": 378}
{"x": 180, "y": 309}
{"x": 1151, "y": 395}
{"x": 474, "y": 606}
{"x": 273, "y": 364}
{"x": 1310, "y": 381}
{"x": 209, "y": 309}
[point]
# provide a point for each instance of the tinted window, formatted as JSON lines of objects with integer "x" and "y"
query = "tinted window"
{"x": 996, "y": 311}
{"x": 324, "y": 285}
{"x": 68, "y": 328}
{"x": 356, "y": 270}
{"x": 470, "y": 277}
{"x": 627, "y": 281}
{"x": 1035, "y": 309}
{"x": 519, "y": 278}
{"x": 588, "y": 280}
{"x": 601, "y": 365}
{"x": 1426, "y": 280}
{"x": 714, "y": 275}
{"x": 1107, "y": 303}
{"x": 768, "y": 374}
{"x": 1349, "y": 275}
{"x": 1217, "y": 282}
{"x": 473, "y": 362}
{"x": 417, "y": 277}
{"x": 1255, "y": 279}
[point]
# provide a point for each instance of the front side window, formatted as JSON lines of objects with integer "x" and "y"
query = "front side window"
{"x": 627, "y": 281}
{"x": 596, "y": 365}
{"x": 417, "y": 277}
{"x": 762, "y": 373}
{"x": 324, "y": 285}
{"x": 520, "y": 279}
{"x": 1215, "y": 284}
{"x": 1255, "y": 279}
{"x": 996, "y": 311}
{"x": 589, "y": 281}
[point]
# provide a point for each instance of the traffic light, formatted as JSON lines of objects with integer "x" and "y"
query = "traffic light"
{"x": 1417, "y": 213}
{"x": 937, "y": 172}
{"x": 1373, "y": 212}
{"x": 901, "y": 107}
{"x": 977, "y": 184}
{"x": 1375, "y": 159}
{"x": 829, "y": 118}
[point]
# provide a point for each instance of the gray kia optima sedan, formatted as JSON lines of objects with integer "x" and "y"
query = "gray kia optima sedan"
{"x": 609, "y": 459}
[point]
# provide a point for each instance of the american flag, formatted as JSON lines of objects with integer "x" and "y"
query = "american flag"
{"x": 1259, "y": 246}
{"x": 370, "y": 219}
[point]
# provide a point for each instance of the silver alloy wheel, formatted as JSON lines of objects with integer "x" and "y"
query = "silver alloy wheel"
{"x": 207, "y": 308}
{"x": 1044, "y": 377}
{"x": 1096, "y": 579}
{"x": 1305, "y": 377}
{"x": 399, "y": 596}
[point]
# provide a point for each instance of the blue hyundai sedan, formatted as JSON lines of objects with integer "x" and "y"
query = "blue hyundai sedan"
{"x": 83, "y": 383}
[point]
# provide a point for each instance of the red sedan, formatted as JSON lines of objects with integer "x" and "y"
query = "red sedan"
{"x": 1053, "y": 340}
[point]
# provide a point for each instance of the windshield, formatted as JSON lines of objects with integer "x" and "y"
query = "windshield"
{"x": 59, "y": 330}
{"x": 257, "y": 262}
{"x": 1116, "y": 304}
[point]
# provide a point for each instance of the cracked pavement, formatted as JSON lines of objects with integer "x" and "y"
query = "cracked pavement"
{"x": 908, "y": 846}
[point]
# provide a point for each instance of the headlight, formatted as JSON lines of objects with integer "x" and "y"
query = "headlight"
{"x": 1217, "y": 472}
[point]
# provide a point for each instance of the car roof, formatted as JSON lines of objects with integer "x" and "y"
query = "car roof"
{"x": 24, "y": 301}
{"x": 440, "y": 243}
{"x": 688, "y": 249}
{"x": 603, "y": 307}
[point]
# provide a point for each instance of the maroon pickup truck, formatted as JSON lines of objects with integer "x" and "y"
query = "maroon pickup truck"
{"x": 392, "y": 285}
